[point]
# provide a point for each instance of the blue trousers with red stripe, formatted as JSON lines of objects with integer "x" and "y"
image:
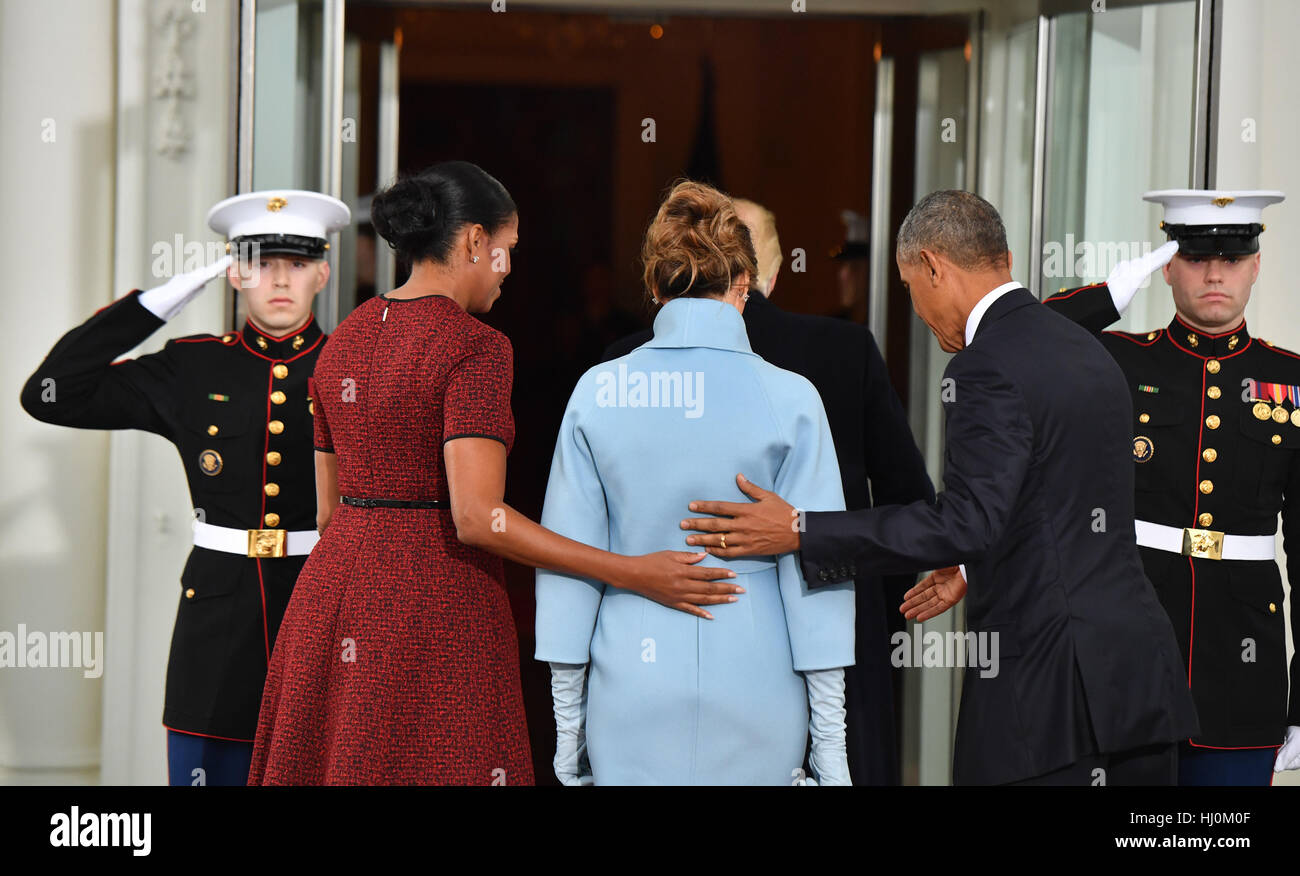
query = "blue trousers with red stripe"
{"x": 1225, "y": 766}
{"x": 202, "y": 760}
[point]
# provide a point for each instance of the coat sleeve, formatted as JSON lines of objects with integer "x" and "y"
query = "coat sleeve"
{"x": 821, "y": 621}
{"x": 988, "y": 451}
{"x": 1089, "y": 306}
{"x": 567, "y": 605}
{"x": 79, "y": 385}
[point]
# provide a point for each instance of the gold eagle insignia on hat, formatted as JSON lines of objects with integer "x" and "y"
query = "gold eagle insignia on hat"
{"x": 276, "y": 204}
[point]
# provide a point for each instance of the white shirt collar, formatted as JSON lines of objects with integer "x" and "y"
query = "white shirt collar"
{"x": 977, "y": 313}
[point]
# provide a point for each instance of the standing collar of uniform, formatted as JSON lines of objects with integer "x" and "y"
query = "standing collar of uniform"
{"x": 700, "y": 322}
{"x": 1205, "y": 345}
{"x": 982, "y": 306}
{"x": 283, "y": 347}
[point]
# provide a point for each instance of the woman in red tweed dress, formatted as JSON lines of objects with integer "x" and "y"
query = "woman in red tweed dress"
{"x": 397, "y": 661}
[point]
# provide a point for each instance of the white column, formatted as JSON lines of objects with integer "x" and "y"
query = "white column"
{"x": 173, "y": 163}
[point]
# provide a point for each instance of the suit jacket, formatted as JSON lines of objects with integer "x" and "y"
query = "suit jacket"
{"x": 879, "y": 464}
{"x": 1038, "y": 502}
{"x": 237, "y": 409}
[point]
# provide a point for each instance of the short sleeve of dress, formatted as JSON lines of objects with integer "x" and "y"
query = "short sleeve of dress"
{"x": 321, "y": 439}
{"x": 476, "y": 403}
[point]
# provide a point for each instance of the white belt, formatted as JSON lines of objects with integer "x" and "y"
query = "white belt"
{"x": 261, "y": 543}
{"x": 1204, "y": 543}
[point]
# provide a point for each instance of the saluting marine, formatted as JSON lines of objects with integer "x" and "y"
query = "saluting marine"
{"x": 237, "y": 407}
{"x": 1216, "y": 449}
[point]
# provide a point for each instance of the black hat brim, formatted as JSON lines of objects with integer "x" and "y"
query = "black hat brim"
{"x": 1205, "y": 241}
{"x": 279, "y": 244}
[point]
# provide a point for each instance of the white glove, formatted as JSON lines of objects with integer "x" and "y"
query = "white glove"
{"x": 166, "y": 301}
{"x": 569, "y": 693}
{"x": 1288, "y": 756}
{"x": 829, "y": 760}
{"x": 1127, "y": 276}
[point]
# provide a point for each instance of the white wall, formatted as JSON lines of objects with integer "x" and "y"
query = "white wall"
{"x": 56, "y": 178}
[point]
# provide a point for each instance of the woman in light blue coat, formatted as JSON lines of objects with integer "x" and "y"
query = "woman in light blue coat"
{"x": 672, "y": 698}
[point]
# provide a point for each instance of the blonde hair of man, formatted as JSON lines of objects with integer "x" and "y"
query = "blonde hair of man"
{"x": 767, "y": 246}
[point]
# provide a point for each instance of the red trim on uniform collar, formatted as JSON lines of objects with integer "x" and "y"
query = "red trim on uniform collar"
{"x": 1240, "y": 329}
{"x": 311, "y": 317}
{"x": 1244, "y": 347}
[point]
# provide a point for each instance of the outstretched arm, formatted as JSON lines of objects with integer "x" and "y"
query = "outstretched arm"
{"x": 989, "y": 447}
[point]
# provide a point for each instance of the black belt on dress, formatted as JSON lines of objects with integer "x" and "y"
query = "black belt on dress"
{"x": 393, "y": 503}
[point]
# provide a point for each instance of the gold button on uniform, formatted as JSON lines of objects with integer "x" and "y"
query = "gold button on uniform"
{"x": 273, "y": 489}
{"x": 1212, "y": 366}
{"x": 1207, "y": 487}
{"x": 1277, "y": 439}
{"x": 280, "y": 371}
{"x": 1209, "y": 454}
{"x": 272, "y": 519}
{"x": 277, "y": 397}
{"x": 1205, "y": 519}
{"x": 212, "y": 430}
{"x": 1144, "y": 418}
{"x": 189, "y": 594}
{"x": 273, "y": 458}
{"x": 1212, "y": 421}
{"x": 275, "y": 426}
{"x": 1213, "y": 392}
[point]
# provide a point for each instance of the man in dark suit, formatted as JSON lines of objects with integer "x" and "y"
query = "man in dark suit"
{"x": 879, "y": 465}
{"x": 1038, "y": 501}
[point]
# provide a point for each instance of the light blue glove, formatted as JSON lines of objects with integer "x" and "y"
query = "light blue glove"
{"x": 569, "y": 693}
{"x": 829, "y": 760}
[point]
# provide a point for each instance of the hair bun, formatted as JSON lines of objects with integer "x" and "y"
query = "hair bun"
{"x": 419, "y": 215}
{"x": 696, "y": 245}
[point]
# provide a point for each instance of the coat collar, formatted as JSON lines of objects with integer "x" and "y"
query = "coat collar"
{"x": 700, "y": 322}
{"x": 1205, "y": 345}
{"x": 285, "y": 347}
{"x": 1013, "y": 299}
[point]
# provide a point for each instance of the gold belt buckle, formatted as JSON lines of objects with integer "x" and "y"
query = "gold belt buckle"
{"x": 266, "y": 543}
{"x": 1205, "y": 544}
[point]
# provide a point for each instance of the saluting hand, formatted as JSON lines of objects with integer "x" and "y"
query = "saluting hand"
{"x": 167, "y": 300}
{"x": 767, "y": 526}
{"x": 938, "y": 592}
{"x": 1127, "y": 276}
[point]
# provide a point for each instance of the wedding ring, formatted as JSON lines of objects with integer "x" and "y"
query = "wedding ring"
{"x": 724, "y": 541}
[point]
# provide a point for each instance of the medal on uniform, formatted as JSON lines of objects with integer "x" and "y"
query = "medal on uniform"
{"x": 1143, "y": 449}
{"x": 1280, "y": 415}
{"x": 210, "y": 462}
{"x": 1261, "y": 410}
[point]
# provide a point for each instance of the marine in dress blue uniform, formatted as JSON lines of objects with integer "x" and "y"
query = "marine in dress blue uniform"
{"x": 1216, "y": 454}
{"x": 238, "y": 409}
